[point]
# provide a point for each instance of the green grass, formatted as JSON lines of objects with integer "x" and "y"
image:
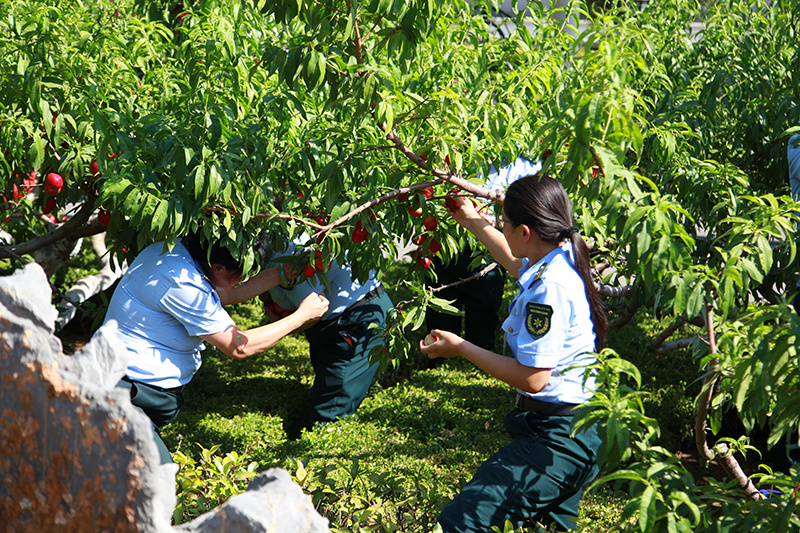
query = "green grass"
{"x": 420, "y": 433}
{"x": 429, "y": 426}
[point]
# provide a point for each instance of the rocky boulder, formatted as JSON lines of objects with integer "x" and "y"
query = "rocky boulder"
{"x": 75, "y": 455}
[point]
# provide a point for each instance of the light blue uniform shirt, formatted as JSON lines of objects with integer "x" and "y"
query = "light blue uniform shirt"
{"x": 549, "y": 326}
{"x": 501, "y": 179}
{"x": 163, "y": 304}
{"x": 793, "y": 155}
{"x": 345, "y": 290}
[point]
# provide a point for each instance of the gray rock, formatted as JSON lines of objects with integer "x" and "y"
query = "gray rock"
{"x": 272, "y": 503}
{"x": 75, "y": 455}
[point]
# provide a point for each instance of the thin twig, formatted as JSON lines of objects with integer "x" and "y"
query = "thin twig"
{"x": 485, "y": 270}
{"x": 477, "y": 190}
{"x": 331, "y": 8}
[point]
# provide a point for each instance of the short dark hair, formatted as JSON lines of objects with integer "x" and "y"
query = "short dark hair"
{"x": 215, "y": 255}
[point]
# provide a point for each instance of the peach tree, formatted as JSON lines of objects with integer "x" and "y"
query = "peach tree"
{"x": 352, "y": 121}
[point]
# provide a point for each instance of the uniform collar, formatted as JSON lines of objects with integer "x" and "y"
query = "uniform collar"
{"x": 530, "y": 274}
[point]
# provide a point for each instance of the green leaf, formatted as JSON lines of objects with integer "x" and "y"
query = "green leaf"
{"x": 694, "y": 305}
{"x": 159, "y": 217}
{"x": 314, "y": 69}
{"x": 385, "y": 114}
{"x": 214, "y": 128}
{"x": 647, "y": 509}
{"x": 22, "y": 64}
{"x": 742, "y": 389}
{"x": 351, "y": 21}
{"x": 290, "y": 68}
{"x": 214, "y": 179}
{"x": 199, "y": 181}
{"x": 35, "y": 96}
{"x": 765, "y": 253}
{"x": 752, "y": 270}
{"x": 36, "y": 151}
{"x": 622, "y": 366}
{"x": 680, "y": 301}
{"x": 133, "y": 203}
{"x": 444, "y": 306}
{"x": 643, "y": 241}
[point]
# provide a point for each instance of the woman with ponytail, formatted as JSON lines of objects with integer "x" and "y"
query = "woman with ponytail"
{"x": 555, "y": 323}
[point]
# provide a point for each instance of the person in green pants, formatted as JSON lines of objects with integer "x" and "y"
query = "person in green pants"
{"x": 340, "y": 343}
{"x": 169, "y": 302}
{"x": 555, "y": 323}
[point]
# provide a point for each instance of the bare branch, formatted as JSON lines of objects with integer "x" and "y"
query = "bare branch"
{"x": 67, "y": 230}
{"x": 485, "y": 270}
{"x": 94, "y": 227}
{"x": 376, "y": 201}
{"x": 674, "y": 345}
{"x": 372, "y": 29}
{"x": 627, "y": 314}
{"x": 721, "y": 451}
{"x": 90, "y": 285}
{"x": 357, "y": 39}
{"x": 612, "y": 292}
{"x": 601, "y": 265}
{"x": 667, "y": 333}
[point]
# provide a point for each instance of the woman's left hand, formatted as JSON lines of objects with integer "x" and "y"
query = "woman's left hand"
{"x": 440, "y": 343}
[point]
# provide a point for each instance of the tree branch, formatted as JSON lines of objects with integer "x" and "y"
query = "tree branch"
{"x": 627, "y": 314}
{"x": 721, "y": 451}
{"x": 90, "y": 285}
{"x": 485, "y": 270}
{"x": 667, "y": 333}
{"x": 477, "y": 190}
{"x": 379, "y": 200}
{"x": 357, "y": 40}
{"x": 68, "y": 230}
{"x": 671, "y": 346}
{"x": 612, "y": 292}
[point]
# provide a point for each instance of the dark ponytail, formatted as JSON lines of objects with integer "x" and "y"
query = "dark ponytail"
{"x": 542, "y": 204}
{"x": 582, "y": 263}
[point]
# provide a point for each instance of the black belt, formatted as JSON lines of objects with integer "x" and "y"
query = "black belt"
{"x": 526, "y": 403}
{"x": 371, "y": 295}
{"x": 174, "y": 390}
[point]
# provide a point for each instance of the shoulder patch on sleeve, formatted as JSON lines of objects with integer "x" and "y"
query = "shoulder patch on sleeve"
{"x": 537, "y": 319}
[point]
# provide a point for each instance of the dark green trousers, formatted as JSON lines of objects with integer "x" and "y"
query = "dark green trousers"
{"x": 160, "y": 406}
{"x": 537, "y": 479}
{"x": 479, "y": 300}
{"x": 340, "y": 356}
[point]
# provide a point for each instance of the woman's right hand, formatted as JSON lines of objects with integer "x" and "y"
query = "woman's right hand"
{"x": 314, "y": 306}
{"x": 462, "y": 210}
{"x": 445, "y": 344}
